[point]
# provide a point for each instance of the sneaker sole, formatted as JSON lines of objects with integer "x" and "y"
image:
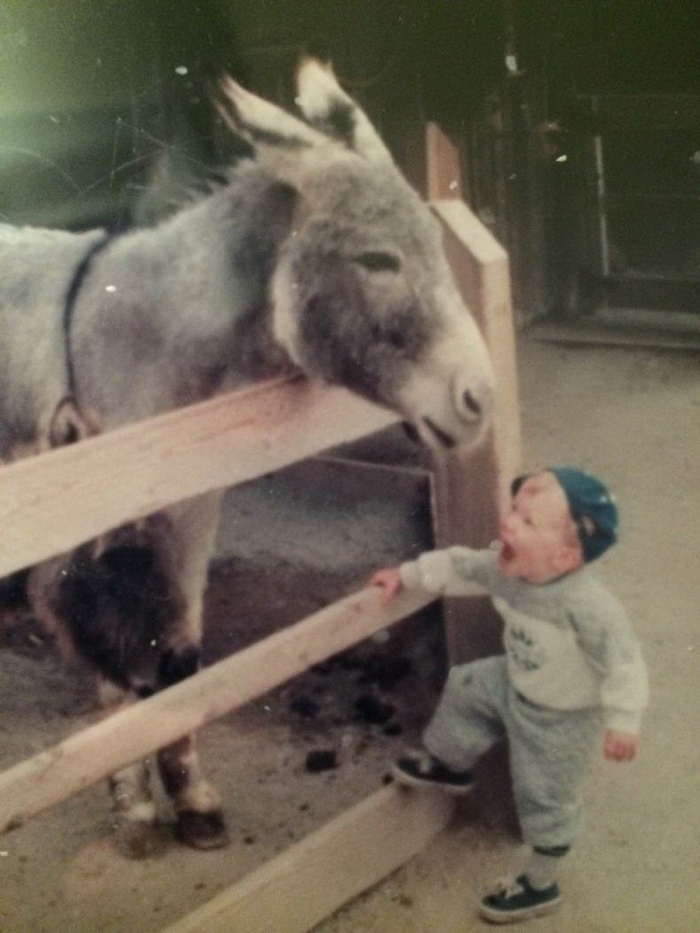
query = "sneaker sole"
{"x": 408, "y": 780}
{"x": 514, "y": 916}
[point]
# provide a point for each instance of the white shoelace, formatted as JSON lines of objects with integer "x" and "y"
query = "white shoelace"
{"x": 507, "y": 886}
{"x": 423, "y": 760}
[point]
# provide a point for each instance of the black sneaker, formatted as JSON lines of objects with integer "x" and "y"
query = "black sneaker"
{"x": 515, "y": 900}
{"x": 421, "y": 769}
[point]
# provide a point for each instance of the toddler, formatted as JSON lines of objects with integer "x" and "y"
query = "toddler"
{"x": 572, "y": 670}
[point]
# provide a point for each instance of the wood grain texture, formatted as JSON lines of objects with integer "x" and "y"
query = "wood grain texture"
{"x": 131, "y": 734}
{"x": 472, "y": 488}
{"x": 55, "y": 501}
{"x": 294, "y": 891}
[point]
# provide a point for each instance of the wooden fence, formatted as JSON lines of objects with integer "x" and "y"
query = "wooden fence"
{"x": 55, "y": 501}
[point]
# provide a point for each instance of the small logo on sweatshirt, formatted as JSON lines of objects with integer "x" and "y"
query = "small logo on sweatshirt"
{"x": 522, "y": 649}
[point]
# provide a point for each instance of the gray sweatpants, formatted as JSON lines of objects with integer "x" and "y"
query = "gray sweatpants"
{"x": 549, "y": 749}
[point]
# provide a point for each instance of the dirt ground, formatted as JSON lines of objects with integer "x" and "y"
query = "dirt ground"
{"x": 630, "y": 414}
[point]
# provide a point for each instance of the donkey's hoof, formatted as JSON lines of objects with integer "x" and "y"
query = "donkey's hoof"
{"x": 137, "y": 839}
{"x": 202, "y": 830}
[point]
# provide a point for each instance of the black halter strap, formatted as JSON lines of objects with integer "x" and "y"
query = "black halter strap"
{"x": 69, "y": 305}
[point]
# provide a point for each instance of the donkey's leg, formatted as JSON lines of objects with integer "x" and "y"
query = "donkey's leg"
{"x": 191, "y": 534}
{"x": 200, "y": 820}
{"x": 134, "y": 809}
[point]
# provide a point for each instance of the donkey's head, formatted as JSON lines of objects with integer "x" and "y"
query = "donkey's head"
{"x": 362, "y": 294}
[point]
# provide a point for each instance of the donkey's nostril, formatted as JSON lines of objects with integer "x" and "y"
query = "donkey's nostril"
{"x": 474, "y": 400}
{"x": 411, "y": 432}
{"x": 471, "y": 403}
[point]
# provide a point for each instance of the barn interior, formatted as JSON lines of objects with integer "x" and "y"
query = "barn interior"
{"x": 577, "y": 130}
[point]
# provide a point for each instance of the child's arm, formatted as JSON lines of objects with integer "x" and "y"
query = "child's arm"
{"x": 606, "y": 636}
{"x": 454, "y": 571}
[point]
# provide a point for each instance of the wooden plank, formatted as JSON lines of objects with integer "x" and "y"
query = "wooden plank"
{"x": 472, "y": 489}
{"x": 131, "y": 734}
{"x": 482, "y": 247}
{"x": 444, "y": 174}
{"x": 294, "y": 891}
{"x": 56, "y": 501}
{"x": 480, "y": 267}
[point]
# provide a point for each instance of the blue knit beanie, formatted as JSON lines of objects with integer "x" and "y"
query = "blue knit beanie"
{"x": 592, "y": 508}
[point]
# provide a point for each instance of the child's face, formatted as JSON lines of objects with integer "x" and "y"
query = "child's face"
{"x": 538, "y": 537}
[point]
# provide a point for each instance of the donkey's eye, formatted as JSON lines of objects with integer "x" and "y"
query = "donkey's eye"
{"x": 393, "y": 338}
{"x": 397, "y": 339}
{"x": 378, "y": 261}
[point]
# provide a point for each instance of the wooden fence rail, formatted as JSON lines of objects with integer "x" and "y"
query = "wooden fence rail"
{"x": 60, "y": 499}
{"x": 309, "y": 881}
{"x": 129, "y": 735}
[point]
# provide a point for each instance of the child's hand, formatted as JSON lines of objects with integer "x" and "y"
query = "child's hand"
{"x": 620, "y": 746}
{"x": 390, "y": 581}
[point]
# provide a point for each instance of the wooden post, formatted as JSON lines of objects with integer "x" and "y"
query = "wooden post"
{"x": 480, "y": 267}
{"x": 443, "y": 170}
{"x": 472, "y": 489}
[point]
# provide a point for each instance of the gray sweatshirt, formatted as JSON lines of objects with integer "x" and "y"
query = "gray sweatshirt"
{"x": 569, "y": 644}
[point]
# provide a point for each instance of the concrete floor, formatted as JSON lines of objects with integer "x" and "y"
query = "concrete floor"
{"x": 633, "y": 416}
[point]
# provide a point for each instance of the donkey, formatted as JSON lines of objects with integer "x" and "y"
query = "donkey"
{"x": 314, "y": 255}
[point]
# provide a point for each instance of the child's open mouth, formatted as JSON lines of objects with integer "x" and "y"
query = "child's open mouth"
{"x": 507, "y": 552}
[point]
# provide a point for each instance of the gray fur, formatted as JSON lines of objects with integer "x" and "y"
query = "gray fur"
{"x": 37, "y": 266}
{"x": 316, "y": 254}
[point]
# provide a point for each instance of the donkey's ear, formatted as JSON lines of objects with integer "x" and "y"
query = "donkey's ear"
{"x": 327, "y": 107}
{"x": 263, "y": 124}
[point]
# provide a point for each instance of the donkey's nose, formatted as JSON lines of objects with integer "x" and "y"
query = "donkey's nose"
{"x": 471, "y": 403}
{"x": 474, "y": 400}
